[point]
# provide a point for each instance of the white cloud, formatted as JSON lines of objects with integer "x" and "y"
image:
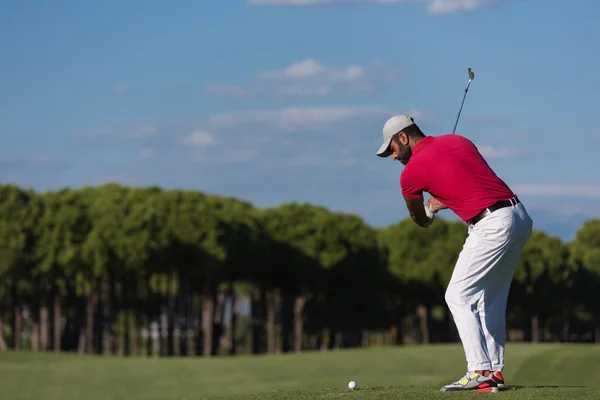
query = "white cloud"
{"x": 98, "y": 132}
{"x": 310, "y": 78}
{"x": 291, "y": 137}
{"x": 133, "y": 131}
{"x": 120, "y": 89}
{"x": 305, "y": 118}
{"x": 200, "y": 138}
{"x": 315, "y": 2}
{"x": 147, "y": 153}
{"x": 433, "y": 6}
{"x": 453, "y": 6}
{"x": 497, "y": 152}
{"x": 585, "y": 191}
{"x": 140, "y": 131}
{"x": 38, "y": 161}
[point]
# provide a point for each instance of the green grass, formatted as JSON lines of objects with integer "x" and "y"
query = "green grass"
{"x": 532, "y": 372}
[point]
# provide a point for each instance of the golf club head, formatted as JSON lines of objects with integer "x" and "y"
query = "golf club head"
{"x": 471, "y": 77}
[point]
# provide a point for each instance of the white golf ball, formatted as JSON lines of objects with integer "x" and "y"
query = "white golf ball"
{"x": 352, "y": 384}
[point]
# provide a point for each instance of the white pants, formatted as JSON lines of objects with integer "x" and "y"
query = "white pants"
{"x": 478, "y": 290}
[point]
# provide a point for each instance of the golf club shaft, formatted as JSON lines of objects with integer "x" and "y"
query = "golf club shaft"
{"x": 459, "y": 111}
{"x": 471, "y": 77}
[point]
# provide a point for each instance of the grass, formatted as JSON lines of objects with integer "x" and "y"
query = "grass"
{"x": 542, "y": 371}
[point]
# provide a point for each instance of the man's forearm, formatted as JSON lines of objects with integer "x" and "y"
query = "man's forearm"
{"x": 416, "y": 210}
{"x": 422, "y": 220}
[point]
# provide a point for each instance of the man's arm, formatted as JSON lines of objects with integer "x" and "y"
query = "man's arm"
{"x": 435, "y": 204}
{"x": 416, "y": 209}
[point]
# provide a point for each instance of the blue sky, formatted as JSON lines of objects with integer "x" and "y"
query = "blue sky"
{"x": 284, "y": 100}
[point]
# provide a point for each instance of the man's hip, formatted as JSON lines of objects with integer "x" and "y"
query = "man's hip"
{"x": 494, "y": 207}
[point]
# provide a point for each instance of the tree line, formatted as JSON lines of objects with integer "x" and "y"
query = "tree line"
{"x": 145, "y": 271}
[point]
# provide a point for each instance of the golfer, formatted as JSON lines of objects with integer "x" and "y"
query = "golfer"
{"x": 451, "y": 169}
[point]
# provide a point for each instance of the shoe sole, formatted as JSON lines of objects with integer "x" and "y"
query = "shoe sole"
{"x": 482, "y": 390}
{"x": 487, "y": 390}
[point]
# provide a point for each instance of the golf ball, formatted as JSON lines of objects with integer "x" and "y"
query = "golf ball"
{"x": 352, "y": 384}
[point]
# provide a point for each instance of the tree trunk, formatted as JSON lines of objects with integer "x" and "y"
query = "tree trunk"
{"x": 236, "y": 306}
{"x": 34, "y": 307}
{"x": 99, "y": 321}
{"x": 298, "y": 322}
{"x": 423, "y": 314}
{"x": 112, "y": 315}
{"x": 17, "y": 326}
{"x": 566, "y": 328}
{"x": 219, "y": 310}
{"x": 163, "y": 333}
{"x": 257, "y": 323}
{"x": 183, "y": 315}
{"x": 89, "y": 317}
{"x": 270, "y": 322}
{"x": 188, "y": 324}
{"x": 35, "y": 335}
{"x": 332, "y": 339}
{"x": 171, "y": 325}
{"x": 535, "y": 329}
{"x": 208, "y": 308}
{"x": 287, "y": 316}
{"x": 133, "y": 334}
{"x": 81, "y": 345}
{"x": 230, "y": 332}
{"x": 125, "y": 328}
{"x": 597, "y": 333}
{"x": 3, "y": 346}
{"x": 199, "y": 334}
{"x": 399, "y": 331}
{"x": 44, "y": 328}
{"x": 57, "y": 324}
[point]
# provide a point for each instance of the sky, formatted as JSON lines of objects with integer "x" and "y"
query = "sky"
{"x": 273, "y": 101}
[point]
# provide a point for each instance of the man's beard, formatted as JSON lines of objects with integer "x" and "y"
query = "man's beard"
{"x": 406, "y": 154}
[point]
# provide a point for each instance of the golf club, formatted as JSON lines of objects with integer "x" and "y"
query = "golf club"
{"x": 471, "y": 77}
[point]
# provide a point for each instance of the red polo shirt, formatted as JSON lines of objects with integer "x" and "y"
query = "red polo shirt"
{"x": 451, "y": 169}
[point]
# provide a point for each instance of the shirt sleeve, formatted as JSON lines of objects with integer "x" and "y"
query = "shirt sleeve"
{"x": 410, "y": 185}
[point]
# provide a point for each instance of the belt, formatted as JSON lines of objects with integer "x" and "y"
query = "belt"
{"x": 496, "y": 206}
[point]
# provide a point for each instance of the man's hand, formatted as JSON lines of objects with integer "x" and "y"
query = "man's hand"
{"x": 416, "y": 209}
{"x": 435, "y": 205}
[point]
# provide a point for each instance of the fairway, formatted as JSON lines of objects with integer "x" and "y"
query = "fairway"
{"x": 533, "y": 371}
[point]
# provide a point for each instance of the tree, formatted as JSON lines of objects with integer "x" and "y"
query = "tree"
{"x": 542, "y": 267}
{"x": 352, "y": 295}
{"x": 297, "y": 233}
{"x": 246, "y": 248}
{"x": 196, "y": 254}
{"x": 19, "y": 212}
{"x": 422, "y": 260}
{"x": 62, "y": 231}
{"x": 585, "y": 257}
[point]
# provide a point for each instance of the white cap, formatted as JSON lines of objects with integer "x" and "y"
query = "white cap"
{"x": 392, "y": 126}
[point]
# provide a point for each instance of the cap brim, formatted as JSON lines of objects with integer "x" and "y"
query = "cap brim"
{"x": 384, "y": 150}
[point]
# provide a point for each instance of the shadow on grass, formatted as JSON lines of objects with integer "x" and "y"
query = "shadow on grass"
{"x": 519, "y": 387}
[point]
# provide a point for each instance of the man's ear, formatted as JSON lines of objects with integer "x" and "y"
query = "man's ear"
{"x": 403, "y": 137}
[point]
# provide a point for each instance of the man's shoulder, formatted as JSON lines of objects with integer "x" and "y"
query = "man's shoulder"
{"x": 451, "y": 137}
{"x": 406, "y": 171}
{"x": 411, "y": 169}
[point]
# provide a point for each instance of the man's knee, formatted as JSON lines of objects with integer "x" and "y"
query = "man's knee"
{"x": 452, "y": 296}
